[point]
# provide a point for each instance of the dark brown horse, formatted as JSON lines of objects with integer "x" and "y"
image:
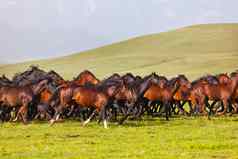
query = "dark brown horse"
{"x": 20, "y": 96}
{"x": 130, "y": 96}
{"x": 4, "y": 81}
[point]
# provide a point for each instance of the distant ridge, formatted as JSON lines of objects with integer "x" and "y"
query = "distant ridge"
{"x": 193, "y": 51}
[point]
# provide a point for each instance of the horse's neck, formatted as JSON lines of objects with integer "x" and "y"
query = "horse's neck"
{"x": 234, "y": 83}
{"x": 36, "y": 88}
{"x": 143, "y": 87}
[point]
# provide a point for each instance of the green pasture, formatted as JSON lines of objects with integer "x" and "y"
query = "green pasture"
{"x": 181, "y": 137}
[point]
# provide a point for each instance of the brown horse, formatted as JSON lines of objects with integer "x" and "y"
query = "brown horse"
{"x": 86, "y": 77}
{"x": 67, "y": 98}
{"x": 91, "y": 97}
{"x": 81, "y": 96}
{"x": 213, "y": 88}
{"x": 20, "y": 96}
{"x": 182, "y": 93}
{"x": 43, "y": 106}
{"x": 163, "y": 91}
{"x": 234, "y": 96}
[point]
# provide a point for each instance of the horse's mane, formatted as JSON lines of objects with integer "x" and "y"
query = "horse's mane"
{"x": 233, "y": 74}
{"x": 209, "y": 78}
{"x": 183, "y": 77}
{"x": 128, "y": 75}
{"x": 53, "y": 73}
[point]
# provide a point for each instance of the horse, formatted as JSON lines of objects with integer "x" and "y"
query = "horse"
{"x": 113, "y": 77}
{"x": 65, "y": 95}
{"x": 21, "y": 96}
{"x": 234, "y": 96}
{"x": 33, "y": 73}
{"x": 163, "y": 91}
{"x": 44, "y": 108}
{"x": 128, "y": 78}
{"x": 91, "y": 97}
{"x": 182, "y": 93}
{"x": 82, "y": 96}
{"x": 213, "y": 88}
{"x": 131, "y": 95}
{"x": 86, "y": 77}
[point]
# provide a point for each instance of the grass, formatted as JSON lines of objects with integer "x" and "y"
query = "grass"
{"x": 194, "y": 51}
{"x": 182, "y": 137}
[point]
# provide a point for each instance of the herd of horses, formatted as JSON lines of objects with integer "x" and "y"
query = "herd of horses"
{"x": 37, "y": 94}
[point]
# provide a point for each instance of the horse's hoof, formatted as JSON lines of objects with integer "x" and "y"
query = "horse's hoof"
{"x": 84, "y": 124}
{"x": 15, "y": 120}
{"x": 52, "y": 121}
{"x": 25, "y": 123}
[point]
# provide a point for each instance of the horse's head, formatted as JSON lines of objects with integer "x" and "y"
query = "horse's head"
{"x": 224, "y": 78}
{"x": 86, "y": 77}
{"x": 128, "y": 78}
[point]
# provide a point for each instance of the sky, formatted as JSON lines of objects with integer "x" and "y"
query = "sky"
{"x": 36, "y": 29}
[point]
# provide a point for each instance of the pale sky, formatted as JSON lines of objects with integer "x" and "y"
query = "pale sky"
{"x": 33, "y": 29}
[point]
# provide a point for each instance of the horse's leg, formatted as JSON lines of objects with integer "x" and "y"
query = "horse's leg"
{"x": 37, "y": 115}
{"x": 191, "y": 111}
{"x": 71, "y": 110}
{"x": 23, "y": 113}
{"x": 56, "y": 117}
{"x": 2, "y": 113}
{"x": 126, "y": 115}
{"x": 104, "y": 116}
{"x": 90, "y": 117}
{"x": 149, "y": 109}
{"x": 203, "y": 108}
{"x": 220, "y": 105}
{"x": 114, "y": 111}
{"x": 212, "y": 106}
{"x": 234, "y": 106}
{"x": 139, "y": 114}
{"x": 167, "y": 109}
{"x": 160, "y": 107}
{"x": 180, "y": 107}
{"x": 225, "y": 104}
{"x": 19, "y": 114}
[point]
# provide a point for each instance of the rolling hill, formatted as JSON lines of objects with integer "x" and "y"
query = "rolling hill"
{"x": 193, "y": 51}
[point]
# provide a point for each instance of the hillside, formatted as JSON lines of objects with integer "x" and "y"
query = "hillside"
{"x": 194, "y": 51}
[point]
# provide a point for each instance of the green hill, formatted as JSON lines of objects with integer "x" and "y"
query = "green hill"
{"x": 194, "y": 51}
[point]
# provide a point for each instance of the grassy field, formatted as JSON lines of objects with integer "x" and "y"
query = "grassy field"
{"x": 193, "y": 51}
{"x": 184, "y": 137}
